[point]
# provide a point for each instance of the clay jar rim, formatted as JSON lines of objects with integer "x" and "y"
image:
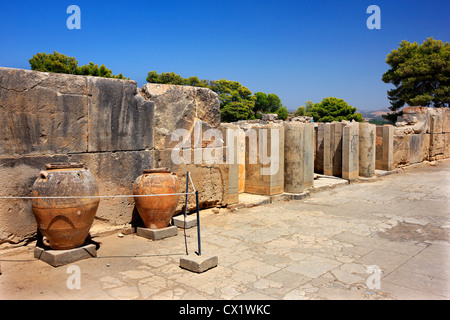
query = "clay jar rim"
{"x": 64, "y": 165}
{"x": 156, "y": 170}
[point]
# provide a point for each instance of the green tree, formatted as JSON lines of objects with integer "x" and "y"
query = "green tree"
{"x": 282, "y": 113}
{"x": 333, "y": 109}
{"x": 236, "y": 101}
{"x": 300, "y": 111}
{"x": 60, "y": 63}
{"x": 262, "y": 102}
{"x": 420, "y": 74}
{"x": 56, "y": 62}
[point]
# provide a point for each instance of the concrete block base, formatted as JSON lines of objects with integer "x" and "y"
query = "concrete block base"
{"x": 191, "y": 221}
{"x": 157, "y": 234}
{"x": 198, "y": 264}
{"x": 57, "y": 258}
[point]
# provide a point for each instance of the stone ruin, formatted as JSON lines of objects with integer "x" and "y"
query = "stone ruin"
{"x": 117, "y": 129}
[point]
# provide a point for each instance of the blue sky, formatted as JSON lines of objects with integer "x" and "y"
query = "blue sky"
{"x": 300, "y": 50}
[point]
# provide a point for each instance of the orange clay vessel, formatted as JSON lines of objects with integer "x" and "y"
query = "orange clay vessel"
{"x": 156, "y": 211}
{"x": 65, "y": 223}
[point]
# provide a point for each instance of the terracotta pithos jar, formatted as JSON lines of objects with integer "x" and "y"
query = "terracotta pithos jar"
{"x": 156, "y": 211}
{"x": 65, "y": 223}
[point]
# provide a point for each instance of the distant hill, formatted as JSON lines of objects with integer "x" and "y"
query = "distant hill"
{"x": 371, "y": 115}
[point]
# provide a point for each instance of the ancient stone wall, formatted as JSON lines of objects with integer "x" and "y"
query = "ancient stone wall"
{"x": 111, "y": 126}
{"x": 421, "y": 134}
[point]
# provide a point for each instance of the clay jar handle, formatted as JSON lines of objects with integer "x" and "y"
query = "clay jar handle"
{"x": 43, "y": 175}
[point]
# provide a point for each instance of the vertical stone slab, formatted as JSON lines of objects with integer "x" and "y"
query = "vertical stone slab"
{"x": 333, "y": 149}
{"x": 318, "y": 160}
{"x": 293, "y": 157}
{"x": 327, "y": 146}
{"x": 384, "y": 148}
{"x": 415, "y": 148}
{"x": 230, "y": 135}
{"x": 437, "y": 138}
{"x": 264, "y": 159}
{"x": 337, "y": 148}
{"x": 401, "y": 150}
{"x": 367, "y": 149}
{"x": 446, "y": 121}
{"x": 308, "y": 155}
{"x": 350, "y": 151}
{"x": 447, "y": 145}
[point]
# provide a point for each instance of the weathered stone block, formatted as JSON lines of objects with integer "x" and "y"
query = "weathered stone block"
{"x": 415, "y": 148}
{"x": 185, "y": 223}
{"x": 401, "y": 150}
{"x": 446, "y": 121}
{"x": 42, "y": 113}
{"x": 350, "y": 151}
{"x": 264, "y": 159}
{"x": 57, "y": 258}
{"x": 157, "y": 234}
{"x": 367, "y": 149}
{"x": 384, "y": 148}
{"x": 119, "y": 118}
{"x": 293, "y": 157}
{"x": 333, "y": 149}
{"x": 178, "y": 107}
{"x": 447, "y": 145}
{"x": 197, "y": 263}
{"x": 308, "y": 155}
{"x": 437, "y": 144}
{"x": 318, "y": 160}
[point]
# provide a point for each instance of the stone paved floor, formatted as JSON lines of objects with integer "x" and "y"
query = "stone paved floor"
{"x": 317, "y": 248}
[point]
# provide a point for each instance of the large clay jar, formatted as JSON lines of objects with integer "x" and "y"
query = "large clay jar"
{"x": 156, "y": 211}
{"x": 65, "y": 222}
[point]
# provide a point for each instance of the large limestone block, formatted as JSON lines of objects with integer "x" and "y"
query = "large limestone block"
{"x": 384, "y": 152}
{"x": 293, "y": 157}
{"x": 318, "y": 159}
{"x": 119, "y": 118}
{"x": 264, "y": 159}
{"x": 446, "y": 121}
{"x": 42, "y": 112}
{"x": 401, "y": 150}
{"x": 367, "y": 149}
{"x": 332, "y": 152}
{"x": 179, "y": 107}
{"x": 415, "y": 148}
{"x": 447, "y": 145}
{"x": 350, "y": 151}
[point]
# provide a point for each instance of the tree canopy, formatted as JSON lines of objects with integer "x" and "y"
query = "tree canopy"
{"x": 420, "y": 74}
{"x": 333, "y": 109}
{"x": 60, "y": 63}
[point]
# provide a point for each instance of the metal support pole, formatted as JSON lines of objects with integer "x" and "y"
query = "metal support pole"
{"x": 185, "y": 211}
{"x": 199, "y": 252}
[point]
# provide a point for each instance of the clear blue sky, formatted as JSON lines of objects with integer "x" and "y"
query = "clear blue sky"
{"x": 300, "y": 50}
